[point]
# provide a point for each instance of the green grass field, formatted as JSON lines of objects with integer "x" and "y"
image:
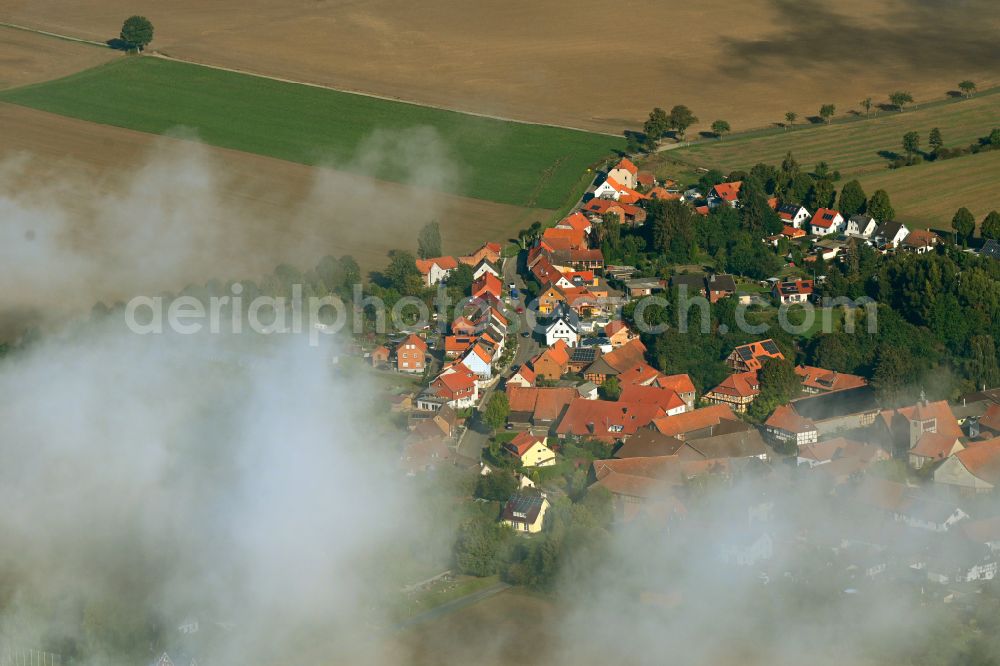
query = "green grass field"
{"x": 506, "y": 162}
{"x": 924, "y": 195}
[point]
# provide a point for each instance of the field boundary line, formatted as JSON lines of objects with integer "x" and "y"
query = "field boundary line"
{"x": 281, "y": 79}
{"x": 56, "y": 35}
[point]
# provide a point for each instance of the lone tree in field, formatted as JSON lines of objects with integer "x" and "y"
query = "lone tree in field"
{"x": 935, "y": 140}
{"x": 899, "y": 99}
{"x": 964, "y": 225}
{"x": 867, "y": 105}
{"x": 656, "y": 126}
{"x": 826, "y": 112}
{"x": 967, "y": 87}
{"x": 680, "y": 119}
{"x": 429, "y": 241}
{"x": 990, "y": 229}
{"x": 790, "y": 118}
{"x": 911, "y": 144}
{"x": 720, "y": 127}
{"x": 137, "y": 32}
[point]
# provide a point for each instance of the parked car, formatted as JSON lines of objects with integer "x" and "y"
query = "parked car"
{"x": 520, "y": 310}
{"x": 512, "y": 286}
{"x": 526, "y": 334}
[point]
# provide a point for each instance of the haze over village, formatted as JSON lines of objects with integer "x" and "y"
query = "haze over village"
{"x": 436, "y": 334}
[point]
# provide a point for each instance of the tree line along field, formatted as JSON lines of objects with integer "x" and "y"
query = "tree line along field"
{"x": 506, "y": 162}
{"x": 927, "y": 194}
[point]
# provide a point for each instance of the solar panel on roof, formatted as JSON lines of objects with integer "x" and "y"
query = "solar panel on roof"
{"x": 584, "y": 354}
{"x": 522, "y": 504}
{"x": 744, "y": 353}
{"x": 770, "y": 347}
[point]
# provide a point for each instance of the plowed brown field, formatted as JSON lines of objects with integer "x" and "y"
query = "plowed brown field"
{"x": 583, "y": 63}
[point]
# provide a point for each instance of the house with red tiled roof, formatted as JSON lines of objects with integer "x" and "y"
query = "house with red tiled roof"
{"x": 488, "y": 251}
{"x": 751, "y": 356}
{"x": 787, "y": 427}
{"x": 794, "y": 215}
{"x": 455, "y": 345}
{"x": 605, "y": 421}
{"x": 737, "y": 390}
{"x": 625, "y": 172}
{"x": 906, "y": 425}
{"x": 933, "y": 447}
{"x": 531, "y": 450}
{"x": 646, "y": 180}
{"x": 826, "y": 221}
{"x": 974, "y": 470}
{"x": 640, "y": 374}
{"x": 792, "y": 291}
{"x": 436, "y": 269}
{"x": 550, "y": 298}
{"x": 618, "y": 333}
{"x": 524, "y": 376}
{"x": 664, "y": 398}
{"x": 628, "y": 356}
{"x": 663, "y": 194}
{"x": 462, "y": 325}
{"x": 380, "y": 356}
{"x": 559, "y": 238}
{"x": 410, "y": 354}
{"x": 628, "y": 214}
{"x": 821, "y": 380}
{"x": 458, "y": 389}
{"x": 579, "y": 260}
{"x": 545, "y": 273}
{"x": 479, "y": 360}
{"x": 697, "y": 423}
{"x": 538, "y": 406}
{"x": 551, "y": 363}
{"x": 920, "y": 241}
{"x": 681, "y": 385}
{"x": 724, "y": 193}
{"x": 792, "y": 233}
{"x": 488, "y": 286}
{"x": 577, "y": 222}
{"x": 613, "y": 189}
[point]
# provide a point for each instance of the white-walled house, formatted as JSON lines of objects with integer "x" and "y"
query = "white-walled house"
{"x": 826, "y": 221}
{"x": 484, "y": 266}
{"x": 861, "y": 226}
{"x": 562, "y": 327}
{"x": 794, "y": 215}
{"x": 610, "y": 189}
{"x": 479, "y": 362}
{"x": 626, "y": 173}
{"x": 890, "y": 234}
{"x": 436, "y": 269}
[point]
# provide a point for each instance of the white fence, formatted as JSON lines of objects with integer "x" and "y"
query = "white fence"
{"x": 14, "y": 657}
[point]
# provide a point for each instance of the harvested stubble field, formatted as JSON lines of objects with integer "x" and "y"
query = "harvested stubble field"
{"x": 236, "y": 215}
{"x": 924, "y": 195}
{"x": 575, "y": 62}
{"x": 501, "y": 161}
{"x": 29, "y": 58}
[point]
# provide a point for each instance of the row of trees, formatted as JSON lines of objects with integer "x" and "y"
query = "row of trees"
{"x": 660, "y": 122}
{"x": 964, "y": 224}
{"x": 898, "y": 99}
